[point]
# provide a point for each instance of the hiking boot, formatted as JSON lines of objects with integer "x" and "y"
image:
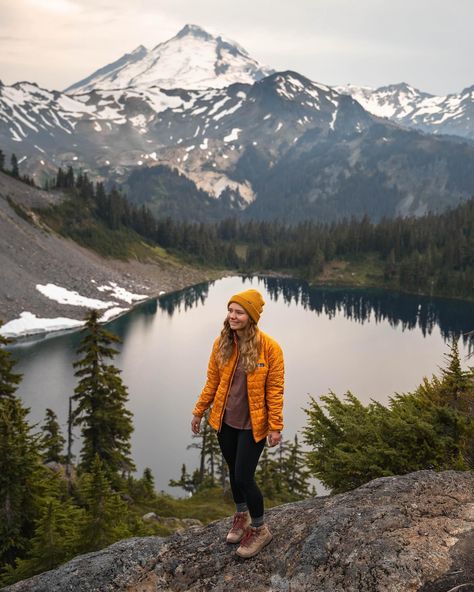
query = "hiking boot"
{"x": 239, "y": 526}
{"x": 254, "y": 541}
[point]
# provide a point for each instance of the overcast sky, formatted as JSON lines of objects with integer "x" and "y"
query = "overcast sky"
{"x": 427, "y": 43}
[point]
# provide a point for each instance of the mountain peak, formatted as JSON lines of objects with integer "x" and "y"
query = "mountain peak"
{"x": 195, "y": 31}
{"x": 192, "y": 59}
{"x": 140, "y": 50}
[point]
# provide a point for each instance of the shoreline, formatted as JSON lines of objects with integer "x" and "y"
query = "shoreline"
{"x": 42, "y": 328}
{"x": 65, "y": 325}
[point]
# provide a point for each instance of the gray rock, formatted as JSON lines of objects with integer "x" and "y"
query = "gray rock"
{"x": 110, "y": 569}
{"x": 30, "y": 254}
{"x": 395, "y": 534}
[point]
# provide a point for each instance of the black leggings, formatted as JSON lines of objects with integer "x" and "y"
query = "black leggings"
{"x": 241, "y": 453}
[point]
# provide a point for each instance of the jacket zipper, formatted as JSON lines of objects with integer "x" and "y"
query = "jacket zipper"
{"x": 227, "y": 394}
{"x": 228, "y": 390}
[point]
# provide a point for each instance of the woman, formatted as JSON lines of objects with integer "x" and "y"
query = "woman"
{"x": 245, "y": 388}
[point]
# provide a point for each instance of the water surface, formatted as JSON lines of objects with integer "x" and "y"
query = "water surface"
{"x": 373, "y": 343}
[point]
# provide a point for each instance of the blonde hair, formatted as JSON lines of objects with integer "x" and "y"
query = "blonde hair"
{"x": 249, "y": 345}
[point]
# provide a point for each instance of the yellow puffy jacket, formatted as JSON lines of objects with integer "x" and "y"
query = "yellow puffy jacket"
{"x": 264, "y": 388}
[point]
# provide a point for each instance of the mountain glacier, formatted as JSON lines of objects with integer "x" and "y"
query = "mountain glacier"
{"x": 193, "y": 59}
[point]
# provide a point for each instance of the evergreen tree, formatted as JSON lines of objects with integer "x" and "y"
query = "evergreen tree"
{"x": 52, "y": 443}
{"x": 189, "y": 483}
{"x": 148, "y": 483}
{"x": 457, "y": 385}
{"x": 59, "y": 178}
{"x": 214, "y": 455}
{"x": 8, "y": 379}
{"x": 15, "y": 172}
{"x": 55, "y": 541}
{"x": 2, "y": 161}
{"x": 352, "y": 443}
{"x": 265, "y": 475}
{"x": 20, "y": 475}
{"x": 106, "y": 514}
{"x": 296, "y": 471}
{"x": 101, "y": 397}
{"x": 69, "y": 178}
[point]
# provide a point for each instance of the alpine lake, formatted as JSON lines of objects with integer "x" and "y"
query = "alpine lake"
{"x": 373, "y": 343}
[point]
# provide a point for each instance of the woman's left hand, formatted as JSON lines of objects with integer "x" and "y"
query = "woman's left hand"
{"x": 274, "y": 438}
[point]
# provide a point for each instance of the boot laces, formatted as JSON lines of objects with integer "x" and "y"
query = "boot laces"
{"x": 248, "y": 536}
{"x": 239, "y": 520}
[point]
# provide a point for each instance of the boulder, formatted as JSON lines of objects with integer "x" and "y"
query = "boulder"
{"x": 411, "y": 533}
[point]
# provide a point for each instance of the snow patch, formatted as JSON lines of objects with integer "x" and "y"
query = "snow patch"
{"x": 112, "y": 313}
{"x": 121, "y": 293}
{"x": 234, "y": 135}
{"x": 228, "y": 111}
{"x": 29, "y": 324}
{"x": 64, "y": 296}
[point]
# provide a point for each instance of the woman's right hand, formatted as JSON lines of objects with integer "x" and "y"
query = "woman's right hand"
{"x": 196, "y": 424}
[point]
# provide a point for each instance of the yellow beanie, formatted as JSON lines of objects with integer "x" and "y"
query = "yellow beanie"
{"x": 251, "y": 300}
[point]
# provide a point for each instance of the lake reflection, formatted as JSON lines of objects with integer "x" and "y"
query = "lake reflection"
{"x": 373, "y": 343}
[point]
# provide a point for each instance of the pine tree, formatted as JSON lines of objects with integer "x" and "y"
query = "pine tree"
{"x": 21, "y": 473}
{"x": 431, "y": 428}
{"x": 457, "y": 385}
{"x": 2, "y": 161}
{"x": 189, "y": 483}
{"x": 214, "y": 456}
{"x": 69, "y": 178}
{"x": 56, "y": 540}
{"x": 106, "y": 514}
{"x": 52, "y": 442}
{"x": 60, "y": 178}
{"x": 101, "y": 397}
{"x": 265, "y": 475}
{"x": 296, "y": 471}
{"x": 8, "y": 379}
{"x": 148, "y": 483}
{"x": 69, "y": 455}
{"x": 14, "y": 170}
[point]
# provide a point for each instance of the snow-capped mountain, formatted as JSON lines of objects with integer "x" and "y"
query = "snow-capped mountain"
{"x": 193, "y": 59}
{"x": 452, "y": 114}
{"x": 201, "y": 132}
{"x": 264, "y": 146}
{"x": 281, "y": 147}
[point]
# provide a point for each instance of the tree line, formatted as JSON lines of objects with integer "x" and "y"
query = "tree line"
{"x": 432, "y": 254}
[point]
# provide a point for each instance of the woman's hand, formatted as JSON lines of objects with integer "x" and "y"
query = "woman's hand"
{"x": 196, "y": 424}
{"x": 274, "y": 438}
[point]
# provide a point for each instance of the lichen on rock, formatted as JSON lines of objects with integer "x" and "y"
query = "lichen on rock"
{"x": 411, "y": 533}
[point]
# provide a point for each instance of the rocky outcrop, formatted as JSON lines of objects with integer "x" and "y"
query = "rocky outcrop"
{"x": 394, "y": 534}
